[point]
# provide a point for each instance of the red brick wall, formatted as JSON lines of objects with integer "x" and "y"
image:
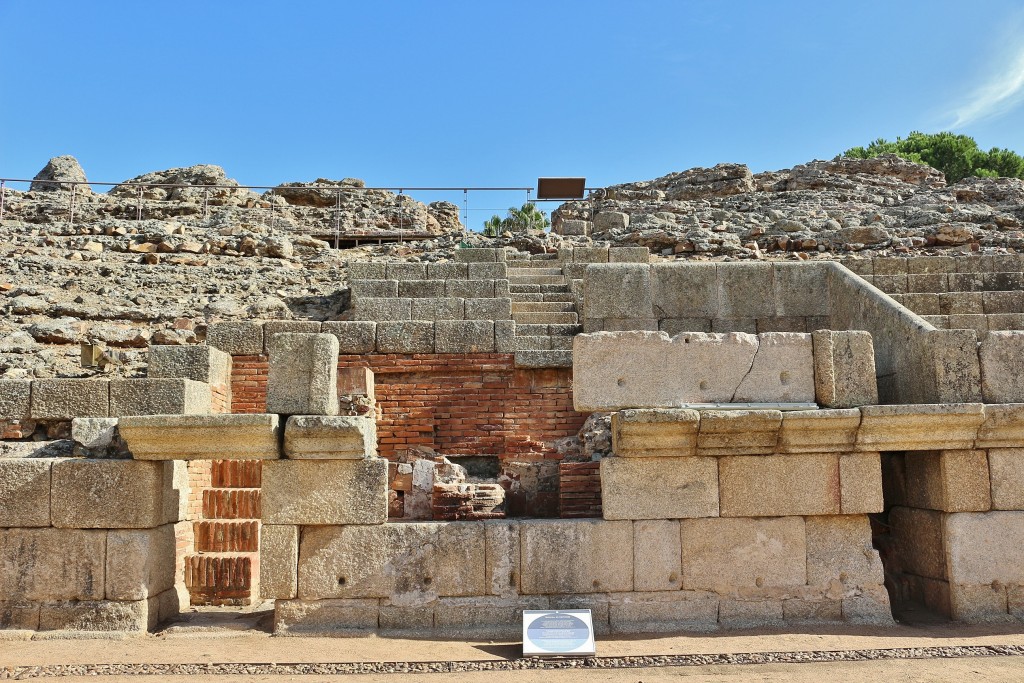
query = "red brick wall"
{"x": 457, "y": 404}
{"x": 199, "y": 479}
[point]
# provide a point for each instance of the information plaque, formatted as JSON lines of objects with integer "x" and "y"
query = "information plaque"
{"x": 558, "y": 633}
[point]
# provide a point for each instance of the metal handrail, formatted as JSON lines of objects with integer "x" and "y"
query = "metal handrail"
{"x": 396, "y": 188}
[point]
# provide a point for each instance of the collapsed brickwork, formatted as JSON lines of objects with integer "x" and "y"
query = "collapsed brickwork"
{"x": 749, "y": 459}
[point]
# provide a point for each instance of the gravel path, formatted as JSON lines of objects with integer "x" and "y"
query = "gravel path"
{"x": 278, "y": 669}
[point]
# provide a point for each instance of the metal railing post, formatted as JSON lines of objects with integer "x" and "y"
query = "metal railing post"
{"x": 1, "y": 200}
{"x": 273, "y": 209}
{"x": 71, "y": 206}
{"x": 138, "y": 212}
{"x": 337, "y": 218}
{"x": 206, "y": 203}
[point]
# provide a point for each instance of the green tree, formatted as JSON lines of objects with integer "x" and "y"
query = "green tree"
{"x": 957, "y": 156}
{"x": 518, "y": 219}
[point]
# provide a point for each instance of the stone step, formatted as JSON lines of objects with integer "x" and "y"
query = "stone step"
{"x": 559, "y": 296}
{"x": 546, "y": 318}
{"x": 535, "y": 280}
{"x": 543, "y": 307}
{"x": 549, "y": 262}
{"x": 231, "y": 504}
{"x": 222, "y": 578}
{"x": 543, "y": 359}
{"x": 530, "y": 272}
{"x": 531, "y": 342}
{"x": 544, "y": 329}
{"x": 542, "y": 296}
{"x": 227, "y": 536}
{"x": 518, "y": 297}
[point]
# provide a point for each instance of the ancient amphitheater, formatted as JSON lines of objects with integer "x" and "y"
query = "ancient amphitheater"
{"x": 713, "y": 401}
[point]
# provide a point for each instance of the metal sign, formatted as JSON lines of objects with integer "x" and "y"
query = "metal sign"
{"x": 561, "y": 188}
{"x": 558, "y": 633}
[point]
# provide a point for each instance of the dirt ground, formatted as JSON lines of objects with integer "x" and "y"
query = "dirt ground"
{"x": 226, "y": 648}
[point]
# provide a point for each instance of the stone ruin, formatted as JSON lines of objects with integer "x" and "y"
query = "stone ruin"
{"x": 790, "y": 445}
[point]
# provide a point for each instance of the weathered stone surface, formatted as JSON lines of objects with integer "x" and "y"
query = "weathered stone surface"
{"x": 687, "y": 290}
{"x": 63, "y": 399}
{"x": 918, "y": 537}
{"x": 860, "y": 483}
{"x": 957, "y": 368}
{"x": 980, "y": 603}
{"x": 279, "y": 561}
{"x": 325, "y": 491}
{"x": 657, "y": 556}
{"x": 303, "y": 375}
{"x": 330, "y": 437}
{"x": 752, "y": 613}
{"x": 311, "y": 617}
{"x": 406, "y": 620}
{"x": 201, "y": 437}
{"x": 240, "y": 338}
{"x": 617, "y": 290}
{"x": 985, "y": 547}
{"x": 140, "y": 562}
{"x": 113, "y": 494}
{"x": 589, "y": 568}
{"x": 746, "y": 290}
{"x": 844, "y": 369}
{"x": 478, "y": 255}
{"x": 727, "y": 554}
{"x": 819, "y": 431}
{"x": 502, "y": 570}
{"x": 200, "y": 363}
{"x": 354, "y": 336}
{"x": 15, "y": 397}
{"x": 673, "y": 488}
{"x": 738, "y": 432}
{"x": 101, "y": 615}
{"x": 1006, "y": 468}
{"x": 159, "y": 397}
{"x": 779, "y": 485}
{"x": 822, "y": 611}
{"x": 1002, "y": 367}
{"x": 663, "y": 611}
{"x": 19, "y": 615}
{"x": 920, "y": 427}
{"x": 781, "y": 370}
{"x": 484, "y": 617}
{"x": 411, "y": 564}
{"x": 800, "y": 289}
{"x": 464, "y": 336}
{"x": 655, "y": 432}
{"x": 24, "y": 492}
{"x": 405, "y": 336}
{"x": 870, "y": 606}
{"x": 839, "y": 550}
{"x": 97, "y": 437}
{"x": 950, "y": 481}
{"x": 52, "y": 564}
{"x": 1003, "y": 426}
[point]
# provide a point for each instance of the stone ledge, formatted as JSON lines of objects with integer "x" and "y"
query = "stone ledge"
{"x": 309, "y": 437}
{"x": 201, "y": 437}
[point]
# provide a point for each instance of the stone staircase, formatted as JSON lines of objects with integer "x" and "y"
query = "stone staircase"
{"x": 224, "y": 569}
{"x": 544, "y": 311}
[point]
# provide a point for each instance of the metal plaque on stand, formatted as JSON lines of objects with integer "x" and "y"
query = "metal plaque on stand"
{"x": 558, "y": 633}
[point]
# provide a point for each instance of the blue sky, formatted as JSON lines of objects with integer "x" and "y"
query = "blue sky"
{"x": 484, "y": 93}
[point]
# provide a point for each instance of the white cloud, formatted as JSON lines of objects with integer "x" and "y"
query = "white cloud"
{"x": 1002, "y": 91}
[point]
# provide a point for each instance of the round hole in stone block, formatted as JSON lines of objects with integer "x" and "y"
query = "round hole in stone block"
{"x": 704, "y": 385}
{"x": 427, "y": 580}
{"x": 596, "y": 584}
{"x": 621, "y": 382}
{"x": 342, "y": 581}
{"x": 784, "y": 377}
{"x": 759, "y": 582}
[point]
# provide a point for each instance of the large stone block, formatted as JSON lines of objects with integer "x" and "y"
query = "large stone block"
{"x": 490, "y": 617}
{"x": 354, "y": 336}
{"x": 303, "y": 376}
{"x": 373, "y": 288}
{"x": 159, "y": 397}
{"x": 617, "y": 290}
{"x": 272, "y": 327}
{"x": 860, "y": 481}
{"x": 411, "y": 564}
{"x": 279, "y": 561}
{"x": 25, "y": 492}
{"x": 464, "y": 336}
{"x": 241, "y": 338}
{"x": 839, "y": 550}
{"x": 405, "y": 336}
{"x": 113, "y": 494}
{"x": 950, "y": 481}
{"x": 488, "y": 309}
{"x": 987, "y": 547}
{"x": 1006, "y": 468}
{"x": 487, "y": 271}
{"x": 311, "y": 492}
{"x": 919, "y": 427}
{"x": 750, "y": 613}
{"x": 576, "y": 556}
{"x": 200, "y": 363}
{"x": 438, "y": 308}
{"x": 140, "y": 562}
{"x": 63, "y": 399}
{"x": 657, "y": 556}
{"x": 502, "y": 570}
{"x": 15, "y": 399}
{"x": 672, "y": 488}
{"x": 448, "y": 271}
{"x": 616, "y": 370}
{"x": 918, "y": 537}
{"x": 1002, "y": 367}
{"x": 663, "y": 611}
{"x": 819, "y": 431}
{"x": 201, "y": 437}
{"x": 954, "y": 357}
{"x": 471, "y": 289}
{"x": 684, "y": 290}
{"x": 844, "y": 369}
{"x": 656, "y": 432}
{"x": 19, "y": 615}
{"x": 99, "y": 615}
{"x": 729, "y": 554}
{"x": 800, "y": 289}
{"x": 52, "y": 564}
{"x": 629, "y": 255}
{"x": 366, "y": 271}
{"x": 479, "y": 255}
{"x": 738, "y": 432}
{"x": 1003, "y": 426}
{"x": 746, "y": 290}
{"x": 382, "y": 308}
{"x": 779, "y": 485}
{"x": 309, "y": 437}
